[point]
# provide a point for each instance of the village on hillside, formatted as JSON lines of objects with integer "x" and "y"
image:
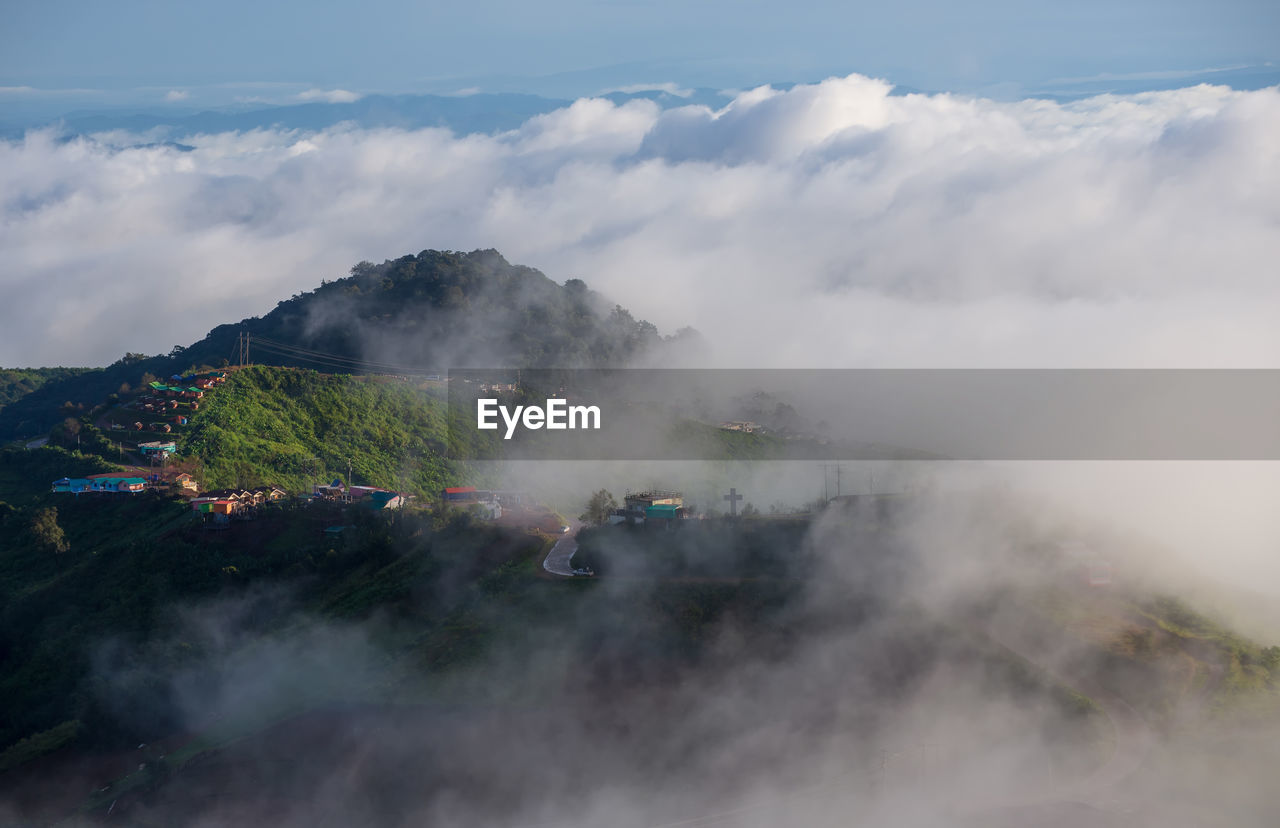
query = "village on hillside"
{"x": 157, "y": 415}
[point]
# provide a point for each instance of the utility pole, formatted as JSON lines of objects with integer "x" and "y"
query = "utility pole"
{"x": 839, "y": 469}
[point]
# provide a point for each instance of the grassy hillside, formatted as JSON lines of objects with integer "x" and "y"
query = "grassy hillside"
{"x": 293, "y": 428}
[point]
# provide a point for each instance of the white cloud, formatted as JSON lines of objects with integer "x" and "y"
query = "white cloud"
{"x": 330, "y": 95}
{"x": 831, "y": 224}
{"x": 177, "y": 95}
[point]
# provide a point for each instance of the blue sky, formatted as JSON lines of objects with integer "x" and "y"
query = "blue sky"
{"x": 138, "y": 51}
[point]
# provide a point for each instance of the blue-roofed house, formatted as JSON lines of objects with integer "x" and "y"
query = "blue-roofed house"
{"x": 121, "y": 485}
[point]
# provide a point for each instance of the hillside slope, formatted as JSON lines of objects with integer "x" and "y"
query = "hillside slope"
{"x": 293, "y": 428}
{"x": 423, "y": 313}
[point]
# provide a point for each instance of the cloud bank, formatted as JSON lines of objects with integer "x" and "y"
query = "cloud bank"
{"x": 330, "y": 95}
{"x": 832, "y": 224}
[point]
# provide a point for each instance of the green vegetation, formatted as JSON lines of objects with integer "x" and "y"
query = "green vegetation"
{"x": 17, "y": 383}
{"x": 91, "y": 637}
{"x": 293, "y": 428}
{"x": 46, "y": 532}
{"x": 599, "y": 507}
{"x": 39, "y": 744}
{"x": 1248, "y": 667}
{"x": 430, "y": 311}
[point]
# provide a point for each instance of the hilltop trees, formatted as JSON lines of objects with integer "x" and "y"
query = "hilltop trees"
{"x": 599, "y": 507}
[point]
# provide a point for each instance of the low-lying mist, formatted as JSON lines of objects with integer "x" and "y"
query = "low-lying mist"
{"x": 920, "y": 663}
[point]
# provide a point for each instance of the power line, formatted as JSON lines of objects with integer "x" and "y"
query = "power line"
{"x": 337, "y": 360}
{"x": 341, "y": 358}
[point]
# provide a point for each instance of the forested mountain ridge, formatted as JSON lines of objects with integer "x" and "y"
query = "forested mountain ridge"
{"x": 439, "y": 309}
{"x": 429, "y": 312}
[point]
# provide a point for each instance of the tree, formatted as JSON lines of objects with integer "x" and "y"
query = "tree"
{"x": 46, "y": 531}
{"x": 599, "y": 507}
{"x": 65, "y": 433}
{"x": 1271, "y": 659}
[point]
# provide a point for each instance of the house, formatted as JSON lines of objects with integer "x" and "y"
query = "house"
{"x": 118, "y": 485}
{"x": 74, "y": 485}
{"x": 636, "y": 506}
{"x": 381, "y": 500}
{"x": 745, "y": 426}
{"x": 270, "y": 493}
{"x": 157, "y": 446}
{"x": 333, "y": 491}
{"x": 459, "y": 494}
{"x": 185, "y": 481}
{"x": 663, "y": 514}
{"x": 640, "y": 501}
{"x": 470, "y": 496}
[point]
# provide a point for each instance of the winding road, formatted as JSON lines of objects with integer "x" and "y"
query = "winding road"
{"x": 557, "y": 560}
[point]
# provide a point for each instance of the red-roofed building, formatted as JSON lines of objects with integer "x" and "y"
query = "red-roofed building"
{"x": 460, "y": 494}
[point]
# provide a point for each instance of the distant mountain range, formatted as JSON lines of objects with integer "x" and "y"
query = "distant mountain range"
{"x": 463, "y": 114}
{"x": 490, "y": 112}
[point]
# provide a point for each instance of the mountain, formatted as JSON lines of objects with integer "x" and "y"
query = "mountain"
{"x": 416, "y": 314}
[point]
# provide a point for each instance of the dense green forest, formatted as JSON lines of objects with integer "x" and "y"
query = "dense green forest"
{"x": 425, "y": 313}
{"x": 17, "y": 383}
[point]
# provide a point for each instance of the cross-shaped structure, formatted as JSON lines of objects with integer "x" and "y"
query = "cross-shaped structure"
{"x": 733, "y": 497}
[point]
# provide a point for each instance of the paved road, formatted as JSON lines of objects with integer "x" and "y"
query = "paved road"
{"x": 557, "y": 560}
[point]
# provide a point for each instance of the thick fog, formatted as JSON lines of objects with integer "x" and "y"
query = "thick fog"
{"x": 833, "y": 224}
{"x": 907, "y": 677}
